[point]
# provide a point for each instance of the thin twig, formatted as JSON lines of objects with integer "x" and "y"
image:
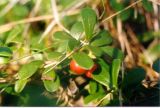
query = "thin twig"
{"x": 68, "y": 55}
{"x": 56, "y": 15}
{"x": 32, "y": 14}
{"x": 65, "y": 12}
{"x": 119, "y": 12}
{"x": 9, "y": 26}
{"x": 8, "y": 7}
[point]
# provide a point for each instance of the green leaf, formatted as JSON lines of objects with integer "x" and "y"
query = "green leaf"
{"x": 12, "y": 35}
{"x": 64, "y": 41}
{"x": 52, "y": 85}
{"x": 96, "y": 51}
{"x": 62, "y": 46}
{"x": 89, "y": 21}
{"x": 147, "y": 5}
{"x": 20, "y": 84}
{"x": 34, "y": 43}
{"x": 93, "y": 97}
{"x": 125, "y": 15}
{"x": 29, "y": 69}
{"x": 103, "y": 38}
{"x": 19, "y": 12}
{"x": 61, "y": 36}
{"x": 148, "y": 36}
{"x": 50, "y": 75}
{"x": 92, "y": 87}
{"x": 72, "y": 44}
{"x": 77, "y": 30}
{"x": 113, "y": 52}
{"x": 153, "y": 52}
{"x": 83, "y": 60}
{"x": 4, "y": 60}
{"x": 5, "y": 52}
{"x": 115, "y": 5}
{"x": 116, "y": 64}
{"x": 53, "y": 55}
{"x": 103, "y": 75}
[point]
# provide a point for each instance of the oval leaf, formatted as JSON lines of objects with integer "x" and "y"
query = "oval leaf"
{"x": 115, "y": 53}
{"x": 20, "y": 84}
{"x": 29, "y": 69}
{"x": 5, "y": 52}
{"x": 96, "y": 50}
{"x": 48, "y": 75}
{"x": 61, "y": 36}
{"x": 116, "y": 64}
{"x": 77, "y": 30}
{"x": 83, "y": 60}
{"x": 103, "y": 75}
{"x": 103, "y": 38}
{"x": 51, "y": 85}
{"x": 89, "y": 20}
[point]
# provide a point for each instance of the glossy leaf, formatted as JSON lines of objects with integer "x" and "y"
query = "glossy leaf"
{"x": 113, "y": 52}
{"x": 103, "y": 75}
{"x": 89, "y": 21}
{"x": 103, "y": 38}
{"x": 4, "y": 60}
{"x": 64, "y": 41}
{"x": 52, "y": 85}
{"x": 20, "y": 84}
{"x": 5, "y": 52}
{"x": 29, "y": 69}
{"x": 77, "y": 30}
{"x": 116, "y": 64}
{"x": 92, "y": 87}
{"x": 83, "y": 60}
{"x": 96, "y": 51}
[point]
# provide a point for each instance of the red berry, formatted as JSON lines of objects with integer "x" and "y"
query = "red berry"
{"x": 76, "y": 68}
{"x": 89, "y": 72}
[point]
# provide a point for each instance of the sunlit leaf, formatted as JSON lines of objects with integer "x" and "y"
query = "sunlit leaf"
{"x": 89, "y": 21}
{"x": 52, "y": 85}
{"x": 83, "y": 60}
{"x": 116, "y": 64}
{"x": 103, "y": 75}
{"x": 103, "y": 38}
{"x": 92, "y": 87}
{"x": 20, "y": 84}
{"x": 77, "y": 30}
{"x": 29, "y": 69}
{"x": 113, "y": 52}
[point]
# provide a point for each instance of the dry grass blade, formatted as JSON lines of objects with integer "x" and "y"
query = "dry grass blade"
{"x": 9, "y": 26}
